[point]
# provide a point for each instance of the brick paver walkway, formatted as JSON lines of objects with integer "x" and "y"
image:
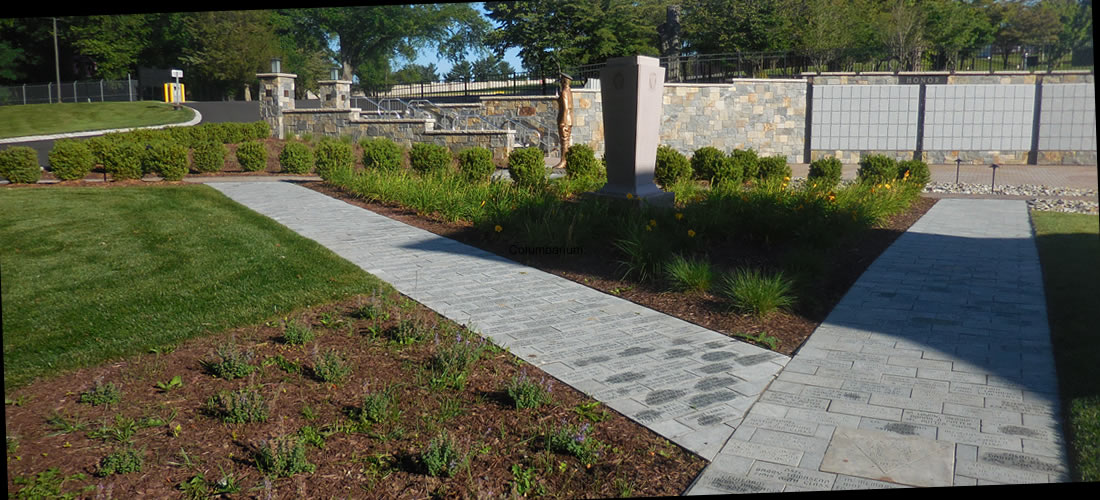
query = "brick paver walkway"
{"x": 934, "y": 370}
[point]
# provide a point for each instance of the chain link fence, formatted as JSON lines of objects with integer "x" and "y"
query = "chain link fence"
{"x": 78, "y": 91}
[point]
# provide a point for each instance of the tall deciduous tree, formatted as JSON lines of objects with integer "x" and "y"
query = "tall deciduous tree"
{"x": 227, "y": 49}
{"x": 491, "y": 67}
{"x": 736, "y": 25}
{"x": 902, "y": 31}
{"x": 113, "y": 42}
{"x": 953, "y": 27}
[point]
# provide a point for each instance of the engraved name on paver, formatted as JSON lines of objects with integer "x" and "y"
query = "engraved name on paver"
{"x": 716, "y": 345}
{"x": 718, "y": 355}
{"x": 874, "y": 387}
{"x": 987, "y": 391}
{"x": 678, "y": 378}
{"x": 591, "y": 361}
{"x": 1016, "y": 430}
{"x": 859, "y": 483}
{"x": 663, "y": 396}
{"x": 848, "y": 375}
{"x": 715, "y": 368}
{"x": 1020, "y": 461}
{"x": 707, "y": 399}
{"x": 827, "y": 393}
{"x": 646, "y": 416}
{"x": 1029, "y": 408}
{"x": 782, "y": 425}
{"x": 792, "y": 475}
{"x": 716, "y": 382}
{"x": 976, "y": 438}
{"x": 735, "y": 484}
{"x": 901, "y": 428}
{"x": 938, "y": 420}
{"x": 635, "y": 351}
{"x": 763, "y": 452}
{"x": 623, "y": 378}
{"x": 999, "y": 474}
{"x": 932, "y": 385}
{"x": 792, "y": 400}
{"x": 677, "y": 353}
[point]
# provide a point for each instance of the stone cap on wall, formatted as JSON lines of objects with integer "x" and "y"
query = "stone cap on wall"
{"x": 968, "y": 73}
{"x": 268, "y": 75}
{"x": 522, "y": 97}
{"x": 335, "y": 81}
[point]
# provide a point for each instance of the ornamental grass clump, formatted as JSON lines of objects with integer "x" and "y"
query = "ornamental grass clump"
{"x": 165, "y": 158}
{"x": 476, "y": 164}
{"x": 824, "y": 173}
{"x": 581, "y": 162}
{"x": 333, "y": 156}
{"x": 252, "y": 156}
{"x": 672, "y": 167}
{"x": 426, "y": 158}
{"x": 877, "y": 169}
{"x": 753, "y": 292}
{"x": 688, "y": 275}
{"x": 381, "y": 153}
{"x": 296, "y": 158}
{"x": 19, "y": 164}
{"x": 528, "y": 167}
{"x": 72, "y": 160}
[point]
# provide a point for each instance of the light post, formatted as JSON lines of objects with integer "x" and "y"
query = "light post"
{"x": 993, "y": 185}
{"x": 958, "y": 162}
{"x": 56, "y": 61}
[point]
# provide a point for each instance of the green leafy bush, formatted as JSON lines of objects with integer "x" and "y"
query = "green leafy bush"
{"x": 101, "y": 394}
{"x": 476, "y": 164}
{"x": 450, "y": 366}
{"x": 332, "y": 155}
{"x": 381, "y": 153}
{"x": 284, "y": 456}
{"x": 426, "y": 158}
{"x": 576, "y": 441}
{"x": 296, "y": 158}
{"x": 748, "y": 162}
{"x": 165, "y": 158}
{"x": 729, "y": 172}
{"x": 71, "y": 160}
{"x": 238, "y": 407}
{"x": 121, "y": 462}
{"x": 825, "y": 172}
{"x": 259, "y": 130}
{"x": 19, "y": 164}
{"x": 209, "y": 156}
{"x": 528, "y": 167}
{"x": 671, "y": 167}
{"x": 378, "y": 407}
{"x": 252, "y": 156}
{"x": 441, "y": 457}
{"x": 297, "y": 333}
{"x": 330, "y": 367}
{"x": 752, "y": 291}
{"x": 580, "y": 162}
{"x": 526, "y": 393}
{"x": 915, "y": 172}
{"x": 707, "y": 161}
{"x": 774, "y": 168}
{"x": 99, "y": 146}
{"x": 877, "y": 169}
{"x": 234, "y": 363}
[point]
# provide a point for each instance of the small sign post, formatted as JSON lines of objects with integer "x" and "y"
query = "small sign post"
{"x": 177, "y": 91}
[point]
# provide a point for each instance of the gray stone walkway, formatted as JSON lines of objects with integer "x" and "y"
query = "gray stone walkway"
{"x": 687, "y": 383}
{"x": 935, "y": 369}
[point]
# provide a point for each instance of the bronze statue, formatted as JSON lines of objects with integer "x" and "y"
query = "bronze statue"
{"x": 565, "y": 116}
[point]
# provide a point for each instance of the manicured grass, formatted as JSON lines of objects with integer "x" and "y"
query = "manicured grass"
{"x": 1069, "y": 245}
{"x": 39, "y": 119}
{"x": 92, "y": 274}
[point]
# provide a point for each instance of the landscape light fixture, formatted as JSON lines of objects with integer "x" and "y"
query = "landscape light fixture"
{"x": 958, "y": 162}
{"x": 993, "y": 186}
{"x": 335, "y": 72}
{"x": 276, "y": 65}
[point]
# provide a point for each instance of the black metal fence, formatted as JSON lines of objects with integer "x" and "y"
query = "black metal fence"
{"x": 78, "y": 91}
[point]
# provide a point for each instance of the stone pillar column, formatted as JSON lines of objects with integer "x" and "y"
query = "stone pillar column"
{"x": 335, "y": 93}
{"x": 632, "y": 89}
{"x": 276, "y": 95}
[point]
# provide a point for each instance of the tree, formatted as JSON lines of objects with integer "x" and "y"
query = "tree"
{"x": 902, "y": 31}
{"x": 712, "y": 26}
{"x": 417, "y": 73}
{"x": 302, "y": 48}
{"x": 462, "y": 71}
{"x": 113, "y": 42}
{"x": 952, "y": 27}
{"x": 491, "y": 67}
{"x": 227, "y": 49}
{"x": 1075, "y": 31}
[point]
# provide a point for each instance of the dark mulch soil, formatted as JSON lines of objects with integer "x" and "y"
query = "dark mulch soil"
{"x": 596, "y": 267}
{"x": 376, "y": 461}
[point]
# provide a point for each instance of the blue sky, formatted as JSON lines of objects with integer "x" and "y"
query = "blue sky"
{"x": 428, "y": 55}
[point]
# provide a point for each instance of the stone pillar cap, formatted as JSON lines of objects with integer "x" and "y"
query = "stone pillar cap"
{"x": 335, "y": 81}
{"x": 634, "y": 61}
{"x": 272, "y": 75}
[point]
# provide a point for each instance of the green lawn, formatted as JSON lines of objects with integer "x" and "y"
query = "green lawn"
{"x": 93, "y": 274}
{"x": 39, "y": 119}
{"x": 1069, "y": 248}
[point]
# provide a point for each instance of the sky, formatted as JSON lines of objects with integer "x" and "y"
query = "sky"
{"x": 428, "y": 55}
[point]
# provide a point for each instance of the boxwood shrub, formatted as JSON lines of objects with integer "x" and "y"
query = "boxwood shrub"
{"x": 252, "y": 156}
{"x": 19, "y": 164}
{"x": 426, "y": 158}
{"x": 917, "y": 172}
{"x": 123, "y": 160}
{"x": 476, "y": 164}
{"x": 259, "y": 130}
{"x": 71, "y": 160}
{"x": 825, "y": 172}
{"x": 748, "y": 163}
{"x": 209, "y": 156}
{"x": 671, "y": 167}
{"x": 580, "y": 162}
{"x": 527, "y": 166}
{"x": 877, "y": 169}
{"x": 706, "y": 162}
{"x": 381, "y": 153}
{"x": 773, "y": 168}
{"x": 296, "y": 158}
{"x": 332, "y": 155}
{"x": 165, "y": 158}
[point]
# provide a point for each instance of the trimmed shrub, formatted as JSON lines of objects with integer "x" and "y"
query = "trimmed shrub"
{"x": 71, "y": 160}
{"x": 252, "y": 156}
{"x": 332, "y": 155}
{"x": 99, "y": 146}
{"x": 729, "y": 172}
{"x": 825, "y": 172}
{"x": 580, "y": 162}
{"x": 914, "y": 171}
{"x": 259, "y": 130}
{"x": 165, "y": 158}
{"x": 19, "y": 164}
{"x": 296, "y": 158}
{"x": 774, "y": 168}
{"x": 748, "y": 162}
{"x": 426, "y": 158}
{"x": 527, "y": 166}
{"x": 476, "y": 164}
{"x": 209, "y": 156}
{"x": 877, "y": 169}
{"x": 671, "y": 167}
{"x": 381, "y": 153}
{"x": 123, "y": 160}
{"x": 706, "y": 162}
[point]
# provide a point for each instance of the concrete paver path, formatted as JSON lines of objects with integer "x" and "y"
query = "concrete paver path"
{"x": 935, "y": 369}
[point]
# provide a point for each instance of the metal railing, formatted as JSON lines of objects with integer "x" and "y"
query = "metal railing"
{"x": 76, "y": 91}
